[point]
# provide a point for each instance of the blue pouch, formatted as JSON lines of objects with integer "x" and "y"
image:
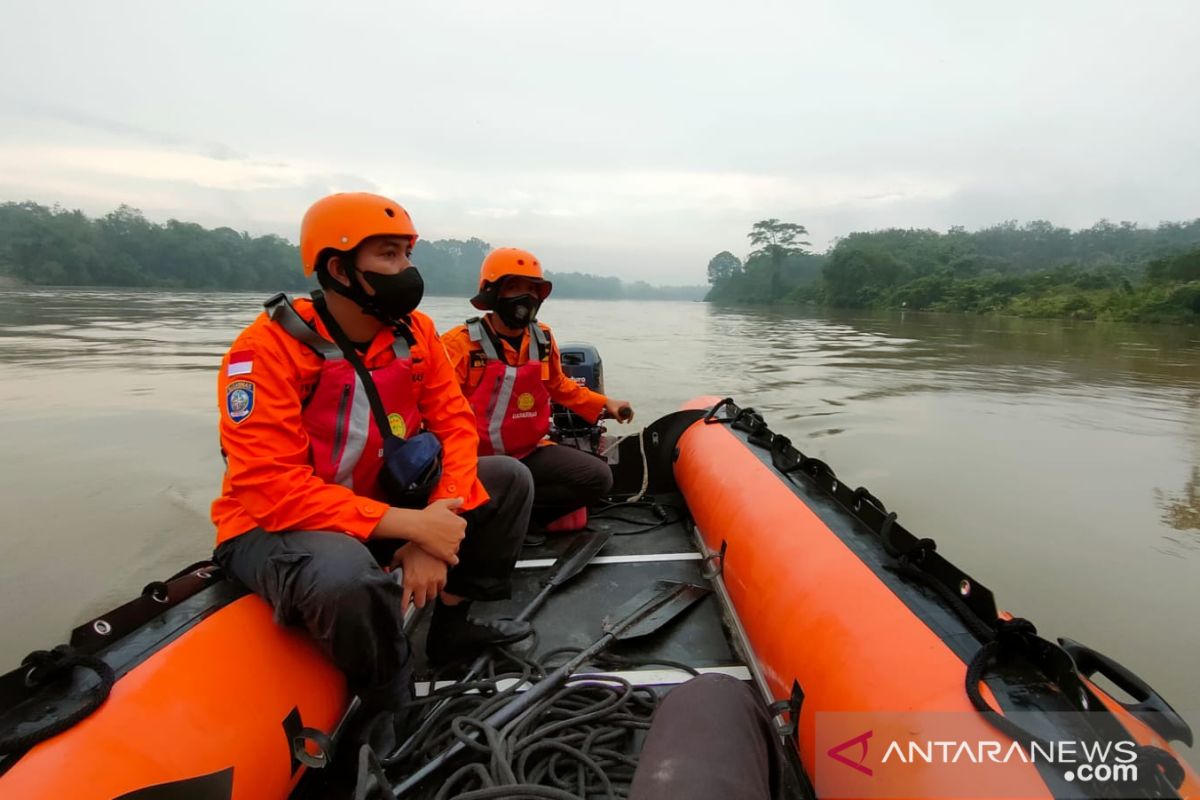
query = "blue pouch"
{"x": 411, "y": 469}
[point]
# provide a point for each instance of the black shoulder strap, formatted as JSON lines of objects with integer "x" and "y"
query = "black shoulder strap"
{"x": 539, "y": 343}
{"x": 364, "y": 375}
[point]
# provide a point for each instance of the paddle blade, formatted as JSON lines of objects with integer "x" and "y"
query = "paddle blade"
{"x": 652, "y": 608}
{"x": 582, "y": 548}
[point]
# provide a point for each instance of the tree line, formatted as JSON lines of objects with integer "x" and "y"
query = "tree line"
{"x": 1118, "y": 271}
{"x": 53, "y": 246}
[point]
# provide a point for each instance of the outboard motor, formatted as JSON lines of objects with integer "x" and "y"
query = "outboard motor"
{"x": 581, "y": 363}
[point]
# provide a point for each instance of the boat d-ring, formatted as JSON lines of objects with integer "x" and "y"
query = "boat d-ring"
{"x": 158, "y": 591}
{"x": 323, "y": 748}
{"x": 786, "y": 712}
{"x": 714, "y": 563}
{"x": 30, "y": 682}
{"x": 711, "y": 417}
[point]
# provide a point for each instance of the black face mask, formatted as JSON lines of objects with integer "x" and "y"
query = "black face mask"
{"x": 519, "y": 311}
{"x": 396, "y": 296}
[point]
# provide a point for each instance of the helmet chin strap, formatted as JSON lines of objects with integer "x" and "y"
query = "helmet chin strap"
{"x": 355, "y": 292}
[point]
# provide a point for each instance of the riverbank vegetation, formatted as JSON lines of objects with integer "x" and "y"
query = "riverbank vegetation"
{"x": 44, "y": 246}
{"x": 1108, "y": 271}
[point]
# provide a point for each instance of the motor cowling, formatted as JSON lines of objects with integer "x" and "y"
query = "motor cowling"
{"x": 582, "y": 364}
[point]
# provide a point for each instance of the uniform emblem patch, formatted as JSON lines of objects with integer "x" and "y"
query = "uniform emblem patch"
{"x": 525, "y": 401}
{"x": 396, "y": 423}
{"x": 239, "y": 399}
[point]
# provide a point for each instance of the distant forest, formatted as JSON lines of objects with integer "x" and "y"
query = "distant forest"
{"x": 1037, "y": 269}
{"x": 55, "y": 246}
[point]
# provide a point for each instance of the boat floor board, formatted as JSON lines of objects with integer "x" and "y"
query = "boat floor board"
{"x": 636, "y": 677}
{"x": 668, "y": 539}
{"x": 574, "y": 614}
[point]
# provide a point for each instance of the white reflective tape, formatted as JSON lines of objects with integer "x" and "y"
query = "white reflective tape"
{"x": 500, "y": 410}
{"x": 357, "y": 430}
{"x": 536, "y": 563}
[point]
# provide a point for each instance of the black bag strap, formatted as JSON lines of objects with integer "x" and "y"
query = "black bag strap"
{"x": 378, "y": 413}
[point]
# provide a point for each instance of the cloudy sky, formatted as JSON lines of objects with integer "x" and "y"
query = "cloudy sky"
{"x": 625, "y": 138}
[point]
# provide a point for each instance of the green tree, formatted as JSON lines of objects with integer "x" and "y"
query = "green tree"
{"x": 723, "y": 266}
{"x": 777, "y": 240}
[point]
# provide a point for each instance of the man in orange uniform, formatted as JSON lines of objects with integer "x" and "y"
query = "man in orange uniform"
{"x": 508, "y": 367}
{"x": 304, "y": 393}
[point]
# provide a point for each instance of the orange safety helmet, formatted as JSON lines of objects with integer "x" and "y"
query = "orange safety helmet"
{"x": 342, "y": 221}
{"x": 508, "y": 262}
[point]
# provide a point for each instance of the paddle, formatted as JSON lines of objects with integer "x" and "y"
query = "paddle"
{"x": 644, "y": 614}
{"x": 578, "y": 554}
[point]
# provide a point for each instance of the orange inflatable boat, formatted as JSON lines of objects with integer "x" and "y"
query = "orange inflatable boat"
{"x": 891, "y": 672}
{"x": 869, "y": 632}
{"x": 200, "y": 694}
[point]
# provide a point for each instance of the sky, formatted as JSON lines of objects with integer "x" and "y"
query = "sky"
{"x": 635, "y": 139}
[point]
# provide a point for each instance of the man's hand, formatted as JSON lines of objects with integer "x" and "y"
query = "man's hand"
{"x": 437, "y": 528}
{"x": 620, "y": 410}
{"x": 442, "y": 529}
{"x": 424, "y": 575}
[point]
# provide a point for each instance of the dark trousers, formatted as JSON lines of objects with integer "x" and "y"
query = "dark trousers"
{"x": 711, "y": 738}
{"x": 565, "y": 479}
{"x": 332, "y": 584}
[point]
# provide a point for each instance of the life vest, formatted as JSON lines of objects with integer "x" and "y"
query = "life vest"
{"x": 345, "y": 447}
{"x": 512, "y": 406}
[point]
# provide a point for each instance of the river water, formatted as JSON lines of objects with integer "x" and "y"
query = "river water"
{"x": 1058, "y": 462}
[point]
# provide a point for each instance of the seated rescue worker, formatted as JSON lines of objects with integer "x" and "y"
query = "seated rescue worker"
{"x": 321, "y": 402}
{"x": 508, "y": 367}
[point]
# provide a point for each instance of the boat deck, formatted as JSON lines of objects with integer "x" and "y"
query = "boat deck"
{"x": 628, "y": 563}
{"x": 702, "y": 637}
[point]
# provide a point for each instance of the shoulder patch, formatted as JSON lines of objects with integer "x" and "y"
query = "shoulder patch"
{"x": 239, "y": 400}
{"x": 241, "y": 362}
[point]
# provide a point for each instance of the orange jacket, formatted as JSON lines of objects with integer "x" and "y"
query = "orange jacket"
{"x": 269, "y": 481}
{"x": 467, "y": 358}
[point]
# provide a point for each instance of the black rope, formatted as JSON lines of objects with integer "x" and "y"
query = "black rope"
{"x": 663, "y": 515}
{"x": 980, "y": 628}
{"x": 575, "y": 744}
{"x": 50, "y": 665}
{"x": 1159, "y": 772}
{"x": 861, "y": 494}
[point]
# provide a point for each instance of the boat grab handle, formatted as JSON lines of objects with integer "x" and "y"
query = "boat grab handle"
{"x": 1150, "y": 707}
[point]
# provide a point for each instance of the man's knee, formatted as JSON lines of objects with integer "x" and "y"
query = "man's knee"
{"x": 714, "y": 690}
{"x": 342, "y": 578}
{"x": 354, "y": 581}
{"x": 506, "y": 479}
{"x": 601, "y": 477}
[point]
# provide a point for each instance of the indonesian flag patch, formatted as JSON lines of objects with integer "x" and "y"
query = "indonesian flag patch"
{"x": 240, "y": 363}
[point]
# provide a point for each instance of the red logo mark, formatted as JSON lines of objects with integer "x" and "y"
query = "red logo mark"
{"x": 835, "y": 752}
